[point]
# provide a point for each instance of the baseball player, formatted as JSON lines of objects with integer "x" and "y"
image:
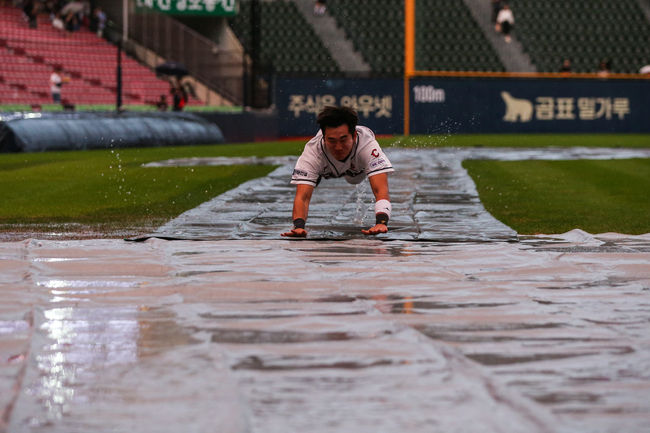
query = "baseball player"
{"x": 341, "y": 149}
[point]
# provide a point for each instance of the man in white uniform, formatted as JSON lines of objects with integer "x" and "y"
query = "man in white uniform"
{"x": 341, "y": 149}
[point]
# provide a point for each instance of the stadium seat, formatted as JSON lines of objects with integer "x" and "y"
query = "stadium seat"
{"x": 376, "y": 27}
{"x": 28, "y": 56}
{"x": 586, "y": 31}
{"x": 288, "y": 43}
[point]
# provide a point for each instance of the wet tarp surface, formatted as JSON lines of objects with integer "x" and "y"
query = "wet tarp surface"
{"x": 544, "y": 335}
{"x": 469, "y": 330}
{"x": 433, "y": 199}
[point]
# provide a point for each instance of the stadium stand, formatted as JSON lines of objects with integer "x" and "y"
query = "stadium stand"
{"x": 447, "y": 36}
{"x": 288, "y": 43}
{"x": 28, "y": 56}
{"x": 585, "y": 31}
{"x": 376, "y": 28}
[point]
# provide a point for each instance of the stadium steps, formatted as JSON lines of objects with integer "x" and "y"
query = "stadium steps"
{"x": 645, "y": 7}
{"x": 512, "y": 54}
{"x": 585, "y": 31}
{"x": 29, "y": 55}
{"x": 376, "y": 29}
{"x": 288, "y": 43}
{"x": 334, "y": 39}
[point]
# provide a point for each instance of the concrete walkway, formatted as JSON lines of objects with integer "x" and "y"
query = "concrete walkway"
{"x": 334, "y": 39}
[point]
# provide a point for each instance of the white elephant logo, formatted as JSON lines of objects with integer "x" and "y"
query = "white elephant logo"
{"x": 517, "y": 109}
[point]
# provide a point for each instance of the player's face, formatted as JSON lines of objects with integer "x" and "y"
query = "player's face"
{"x": 339, "y": 141}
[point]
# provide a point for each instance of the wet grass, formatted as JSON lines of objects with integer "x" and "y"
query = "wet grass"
{"x": 110, "y": 191}
{"x": 550, "y": 197}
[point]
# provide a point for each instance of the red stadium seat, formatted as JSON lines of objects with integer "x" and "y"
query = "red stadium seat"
{"x": 28, "y": 57}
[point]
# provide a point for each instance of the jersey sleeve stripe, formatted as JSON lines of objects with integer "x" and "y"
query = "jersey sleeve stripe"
{"x": 380, "y": 170}
{"x": 304, "y": 181}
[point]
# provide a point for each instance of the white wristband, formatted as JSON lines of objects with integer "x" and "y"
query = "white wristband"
{"x": 383, "y": 206}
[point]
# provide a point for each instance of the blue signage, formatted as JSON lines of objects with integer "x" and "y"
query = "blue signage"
{"x": 379, "y": 103}
{"x": 441, "y": 105}
{"x": 448, "y": 105}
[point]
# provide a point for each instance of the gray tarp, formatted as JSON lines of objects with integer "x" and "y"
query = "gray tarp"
{"x": 76, "y": 131}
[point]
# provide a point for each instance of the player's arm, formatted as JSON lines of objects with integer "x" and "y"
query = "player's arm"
{"x": 300, "y": 210}
{"x": 379, "y": 185}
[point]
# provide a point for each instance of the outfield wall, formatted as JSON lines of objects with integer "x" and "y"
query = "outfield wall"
{"x": 471, "y": 104}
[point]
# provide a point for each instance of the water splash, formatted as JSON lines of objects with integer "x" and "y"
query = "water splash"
{"x": 361, "y": 192}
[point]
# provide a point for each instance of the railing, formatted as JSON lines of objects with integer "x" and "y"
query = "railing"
{"x": 220, "y": 70}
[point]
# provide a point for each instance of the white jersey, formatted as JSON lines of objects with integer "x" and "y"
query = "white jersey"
{"x": 55, "y": 83}
{"x": 365, "y": 159}
{"x": 505, "y": 15}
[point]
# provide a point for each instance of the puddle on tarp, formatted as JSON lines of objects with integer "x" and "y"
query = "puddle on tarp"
{"x": 433, "y": 199}
{"x": 350, "y": 336}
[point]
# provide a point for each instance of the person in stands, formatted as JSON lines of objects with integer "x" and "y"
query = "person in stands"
{"x": 161, "y": 104}
{"x": 566, "y": 66}
{"x": 179, "y": 96}
{"x": 31, "y": 9}
{"x": 320, "y": 7}
{"x": 604, "y": 67}
{"x": 505, "y": 22}
{"x": 56, "y": 81}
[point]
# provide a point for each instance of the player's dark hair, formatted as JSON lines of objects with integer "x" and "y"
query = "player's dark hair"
{"x": 332, "y": 117}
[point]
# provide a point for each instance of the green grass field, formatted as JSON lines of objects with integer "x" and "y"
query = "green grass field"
{"x": 108, "y": 191}
{"x": 557, "y": 196}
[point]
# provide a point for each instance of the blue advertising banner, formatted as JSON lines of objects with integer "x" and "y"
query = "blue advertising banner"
{"x": 379, "y": 102}
{"x": 448, "y": 105}
{"x": 441, "y": 105}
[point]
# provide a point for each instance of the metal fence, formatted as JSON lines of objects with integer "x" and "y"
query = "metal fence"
{"x": 220, "y": 70}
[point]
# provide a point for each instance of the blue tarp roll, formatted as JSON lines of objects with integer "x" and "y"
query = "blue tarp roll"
{"x": 36, "y": 132}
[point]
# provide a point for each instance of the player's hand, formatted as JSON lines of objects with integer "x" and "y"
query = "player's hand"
{"x": 296, "y": 233}
{"x": 379, "y": 228}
